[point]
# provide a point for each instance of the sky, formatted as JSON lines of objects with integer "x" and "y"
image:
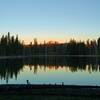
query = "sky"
{"x": 47, "y": 20}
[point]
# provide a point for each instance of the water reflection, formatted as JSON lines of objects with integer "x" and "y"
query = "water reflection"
{"x": 12, "y": 68}
{"x": 73, "y": 63}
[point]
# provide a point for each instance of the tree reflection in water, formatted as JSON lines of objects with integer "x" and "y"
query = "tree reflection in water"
{"x": 10, "y": 68}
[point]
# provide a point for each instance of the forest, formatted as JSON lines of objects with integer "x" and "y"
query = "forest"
{"x": 13, "y": 46}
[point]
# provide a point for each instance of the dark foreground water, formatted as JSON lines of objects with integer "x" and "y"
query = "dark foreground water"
{"x": 51, "y": 70}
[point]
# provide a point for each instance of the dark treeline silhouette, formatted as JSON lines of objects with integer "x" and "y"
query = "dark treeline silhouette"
{"x": 10, "y": 68}
{"x": 12, "y": 46}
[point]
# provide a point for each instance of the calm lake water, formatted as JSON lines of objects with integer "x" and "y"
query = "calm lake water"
{"x": 51, "y": 70}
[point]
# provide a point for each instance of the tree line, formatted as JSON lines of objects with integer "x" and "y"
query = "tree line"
{"x": 12, "y": 46}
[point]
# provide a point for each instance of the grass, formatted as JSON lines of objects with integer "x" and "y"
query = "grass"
{"x": 49, "y": 92}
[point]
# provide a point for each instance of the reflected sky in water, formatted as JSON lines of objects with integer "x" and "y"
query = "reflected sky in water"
{"x": 52, "y": 75}
{"x": 71, "y": 73}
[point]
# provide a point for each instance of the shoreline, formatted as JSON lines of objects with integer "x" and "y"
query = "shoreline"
{"x": 50, "y": 89}
{"x": 30, "y": 56}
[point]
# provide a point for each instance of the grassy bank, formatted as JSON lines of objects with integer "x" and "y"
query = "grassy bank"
{"x": 49, "y": 92}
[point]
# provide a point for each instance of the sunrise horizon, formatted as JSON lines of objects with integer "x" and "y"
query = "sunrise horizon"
{"x": 50, "y": 49}
{"x": 62, "y": 39}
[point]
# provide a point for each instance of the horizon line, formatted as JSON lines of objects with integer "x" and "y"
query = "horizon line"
{"x": 41, "y": 39}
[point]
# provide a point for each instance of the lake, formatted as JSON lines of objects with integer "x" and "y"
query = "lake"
{"x": 51, "y": 70}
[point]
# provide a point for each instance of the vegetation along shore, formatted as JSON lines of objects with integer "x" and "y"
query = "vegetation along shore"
{"x": 71, "y": 48}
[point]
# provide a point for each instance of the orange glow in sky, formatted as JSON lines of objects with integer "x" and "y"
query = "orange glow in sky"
{"x": 29, "y": 39}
